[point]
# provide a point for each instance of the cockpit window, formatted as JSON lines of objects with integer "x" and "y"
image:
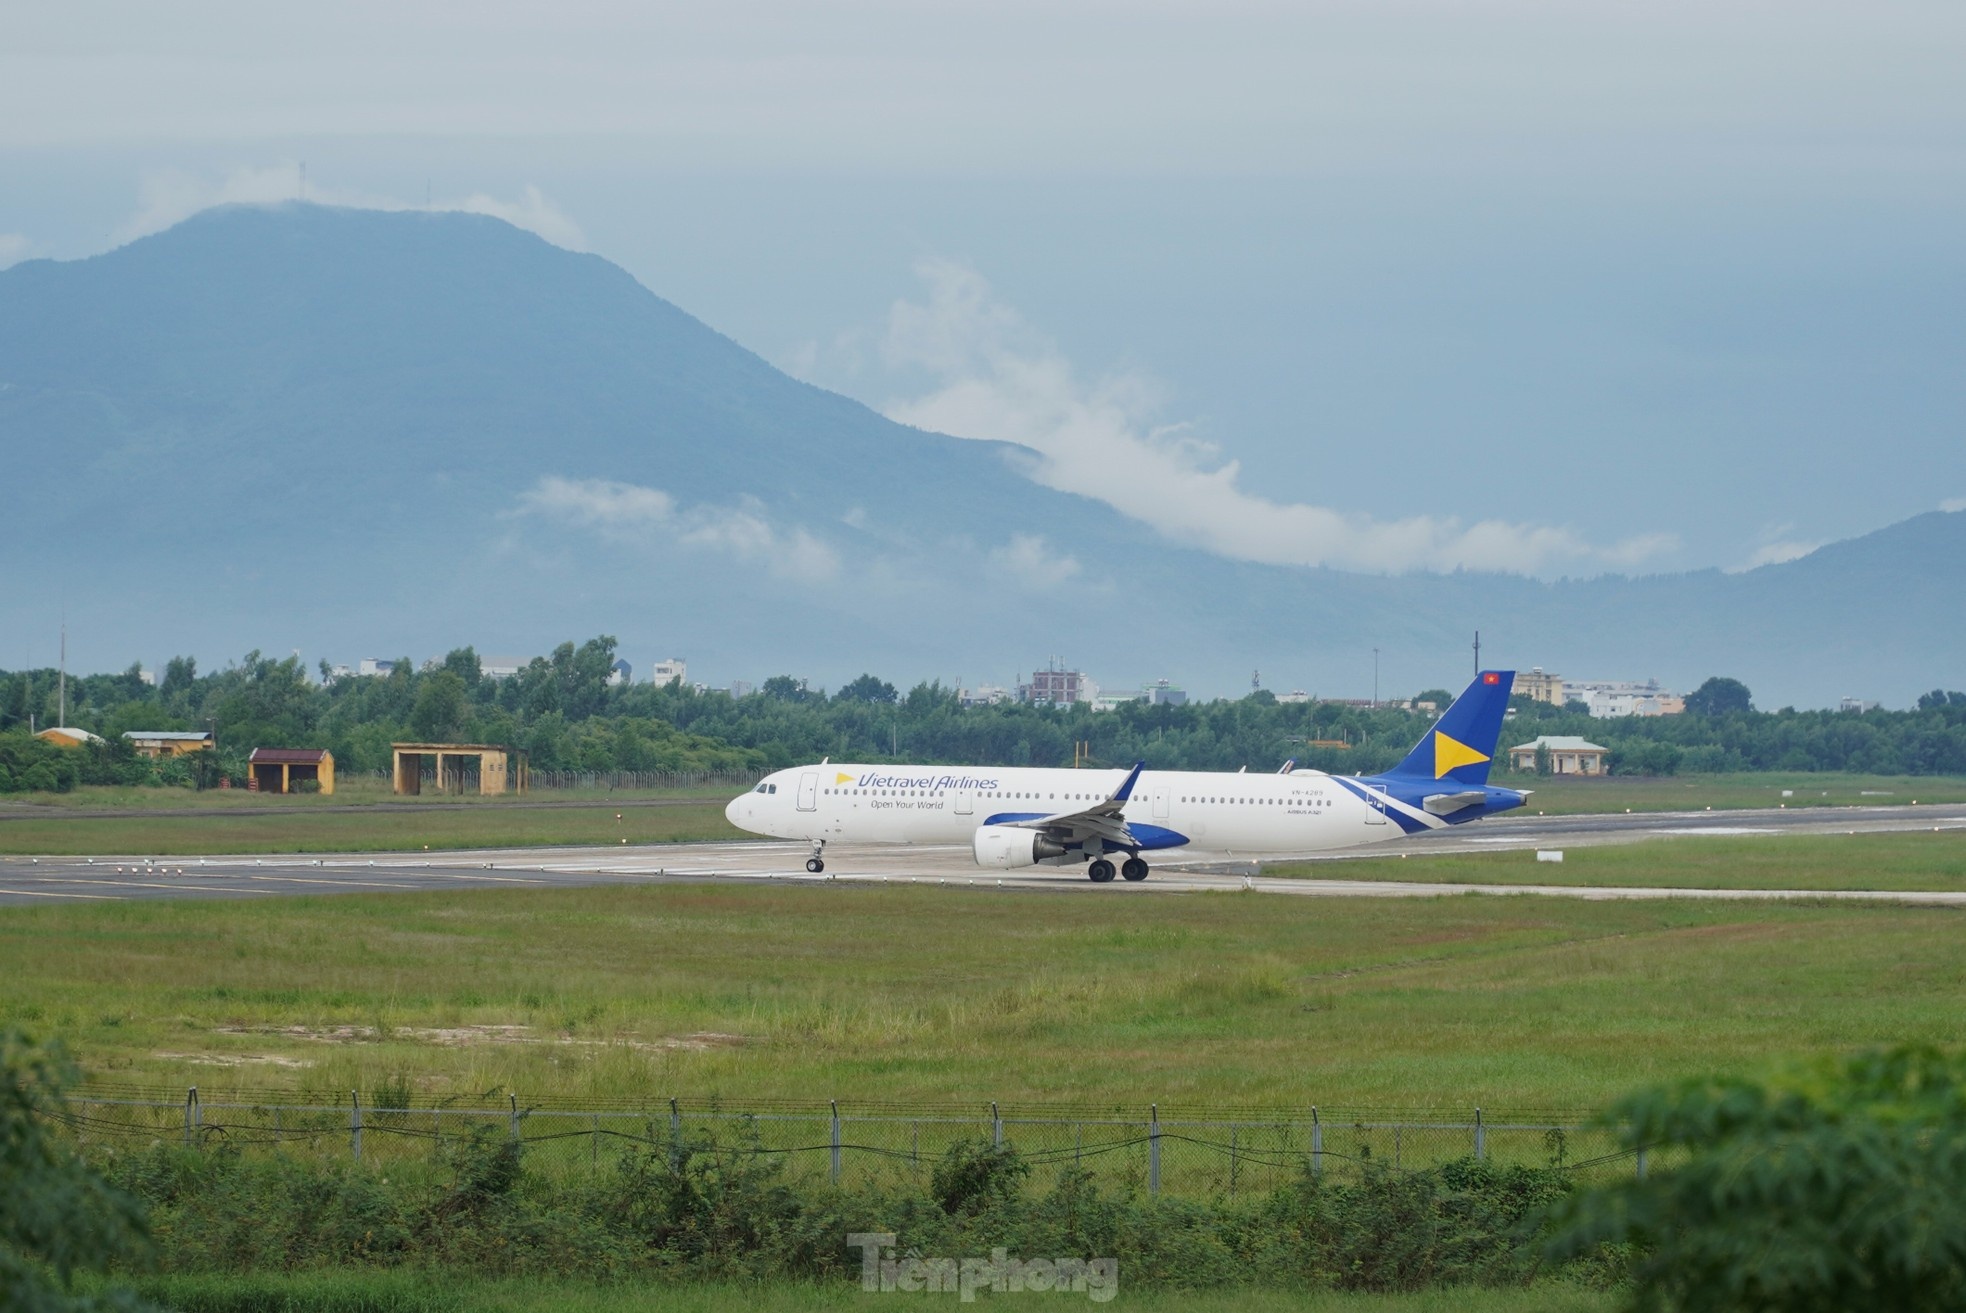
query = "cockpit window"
{"x": 772, "y": 789}
{"x": 759, "y": 789}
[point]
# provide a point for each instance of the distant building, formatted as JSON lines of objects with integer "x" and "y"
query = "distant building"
{"x": 283, "y": 770}
{"x": 666, "y": 672}
{"x": 1538, "y": 685}
{"x": 1160, "y": 693}
{"x": 1858, "y": 705}
{"x": 1605, "y": 699}
{"x": 67, "y": 736}
{"x": 1294, "y": 697}
{"x": 742, "y": 688}
{"x": 502, "y": 667}
{"x": 621, "y": 673}
{"x": 159, "y": 743}
{"x": 983, "y": 695}
{"x": 339, "y": 672}
{"x": 1569, "y": 755}
{"x": 1058, "y": 686}
{"x": 1110, "y": 701}
{"x": 148, "y": 678}
{"x": 371, "y": 667}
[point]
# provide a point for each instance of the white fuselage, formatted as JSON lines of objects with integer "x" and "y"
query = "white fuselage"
{"x": 1177, "y": 813}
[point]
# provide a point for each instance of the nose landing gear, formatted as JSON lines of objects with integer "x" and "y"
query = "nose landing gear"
{"x": 816, "y": 863}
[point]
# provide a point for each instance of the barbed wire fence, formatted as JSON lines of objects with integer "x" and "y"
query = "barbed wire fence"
{"x": 1186, "y": 1153}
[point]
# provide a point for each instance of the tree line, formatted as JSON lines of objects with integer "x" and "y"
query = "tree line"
{"x": 565, "y": 713}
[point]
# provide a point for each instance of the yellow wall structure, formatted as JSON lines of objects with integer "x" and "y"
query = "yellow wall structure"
{"x": 500, "y": 769}
{"x": 66, "y": 736}
{"x": 153, "y": 744}
{"x": 293, "y": 766}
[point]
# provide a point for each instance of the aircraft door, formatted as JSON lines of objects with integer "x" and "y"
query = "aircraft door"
{"x": 1162, "y": 802}
{"x": 1377, "y": 804}
{"x": 809, "y": 791}
{"x": 965, "y": 803}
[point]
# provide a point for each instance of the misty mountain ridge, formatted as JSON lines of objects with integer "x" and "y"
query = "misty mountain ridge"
{"x": 367, "y": 433}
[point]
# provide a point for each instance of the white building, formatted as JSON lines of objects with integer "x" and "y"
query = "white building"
{"x": 502, "y": 667}
{"x": 1568, "y": 755}
{"x": 1605, "y": 698}
{"x": 663, "y": 672}
{"x": 372, "y": 667}
{"x": 1294, "y": 697}
{"x": 983, "y": 695}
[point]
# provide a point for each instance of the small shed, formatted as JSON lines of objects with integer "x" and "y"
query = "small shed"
{"x": 486, "y": 768}
{"x": 1569, "y": 755}
{"x": 67, "y": 736}
{"x": 282, "y": 770}
{"x": 158, "y": 743}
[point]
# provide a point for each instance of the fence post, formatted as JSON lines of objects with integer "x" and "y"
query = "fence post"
{"x": 1232, "y": 1161}
{"x": 836, "y": 1141}
{"x": 355, "y": 1124}
{"x": 1481, "y": 1136}
{"x": 1317, "y": 1144}
{"x": 515, "y": 1117}
{"x": 1153, "y": 1149}
{"x": 190, "y": 1113}
{"x": 1641, "y": 1162}
{"x": 675, "y": 1133}
{"x": 996, "y": 1127}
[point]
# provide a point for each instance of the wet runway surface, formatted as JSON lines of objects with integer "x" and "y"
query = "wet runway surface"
{"x": 49, "y": 880}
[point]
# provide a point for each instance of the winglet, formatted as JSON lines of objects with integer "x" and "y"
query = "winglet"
{"x": 1125, "y": 789}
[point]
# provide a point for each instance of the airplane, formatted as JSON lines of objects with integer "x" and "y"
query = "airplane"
{"x": 1041, "y": 816}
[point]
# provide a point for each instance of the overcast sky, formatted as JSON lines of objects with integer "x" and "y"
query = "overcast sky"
{"x": 1559, "y": 287}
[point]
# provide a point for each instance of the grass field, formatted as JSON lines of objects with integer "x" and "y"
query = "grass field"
{"x": 409, "y": 1292}
{"x": 328, "y": 827}
{"x": 940, "y": 994}
{"x": 1934, "y": 861}
{"x": 1571, "y": 795}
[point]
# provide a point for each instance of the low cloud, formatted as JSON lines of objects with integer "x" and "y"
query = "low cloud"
{"x": 13, "y": 248}
{"x": 1033, "y": 564}
{"x": 1953, "y": 504}
{"x": 170, "y": 196}
{"x": 635, "y": 516}
{"x": 998, "y": 379}
{"x": 1775, "y": 554}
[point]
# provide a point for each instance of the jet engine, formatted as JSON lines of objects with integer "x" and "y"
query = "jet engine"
{"x": 1005, "y": 846}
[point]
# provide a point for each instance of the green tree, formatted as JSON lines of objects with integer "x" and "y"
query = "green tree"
{"x": 57, "y": 1217}
{"x": 442, "y": 709}
{"x": 1841, "y": 1187}
{"x": 867, "y": 688}
{"x": 1720, "y": 696}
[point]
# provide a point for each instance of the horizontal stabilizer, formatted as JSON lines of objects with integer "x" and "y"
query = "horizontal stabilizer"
{"x": 1446, "y": 804}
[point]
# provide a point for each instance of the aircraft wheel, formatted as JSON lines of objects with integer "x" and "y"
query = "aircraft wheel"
{"x": 814, "y": 865}
{"x": 1134, "y": 869}
{"x": 1100, "y": 871}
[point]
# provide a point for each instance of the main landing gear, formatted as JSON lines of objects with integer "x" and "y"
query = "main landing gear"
{"x": 1101, "y": 871}
{"x": 816, "y": 864}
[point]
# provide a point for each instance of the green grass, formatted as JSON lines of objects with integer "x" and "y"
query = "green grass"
{"x": 936, "y": 994}
{"x": 1921, "y": 862}
{"x": 350, "y": 791}
{"x": 1571, "y": 795}
{"x": 426, "y": 1292}
{"x": 477, "y": 823}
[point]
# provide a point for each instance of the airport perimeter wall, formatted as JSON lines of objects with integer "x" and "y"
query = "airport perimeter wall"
{"x": 1188, "y": 1152}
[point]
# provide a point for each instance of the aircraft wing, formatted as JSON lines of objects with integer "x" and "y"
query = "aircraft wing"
{"x": 1102, "y": 820}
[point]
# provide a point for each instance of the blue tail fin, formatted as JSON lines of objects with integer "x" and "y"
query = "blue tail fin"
{"x": 1462, "y": 742}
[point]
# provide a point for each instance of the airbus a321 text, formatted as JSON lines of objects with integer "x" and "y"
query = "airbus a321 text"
{"x": 1030, "y": 816}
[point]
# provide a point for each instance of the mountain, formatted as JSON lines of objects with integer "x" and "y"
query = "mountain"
{"x": 364, "y": 433}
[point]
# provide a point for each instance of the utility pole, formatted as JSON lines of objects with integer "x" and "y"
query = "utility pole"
{"x": 1477, "y": 651}
{"x": 61, "y": 705}
{"x": 1375, "y": 679}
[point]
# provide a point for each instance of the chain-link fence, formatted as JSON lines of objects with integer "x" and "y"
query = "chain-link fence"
{"x": 1188, "y": 1153}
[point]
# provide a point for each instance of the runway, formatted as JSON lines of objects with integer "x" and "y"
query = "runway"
{"x": 56, "y": 880}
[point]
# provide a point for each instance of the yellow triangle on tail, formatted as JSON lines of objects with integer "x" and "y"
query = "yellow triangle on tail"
{"x": 1451, "y": 754}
